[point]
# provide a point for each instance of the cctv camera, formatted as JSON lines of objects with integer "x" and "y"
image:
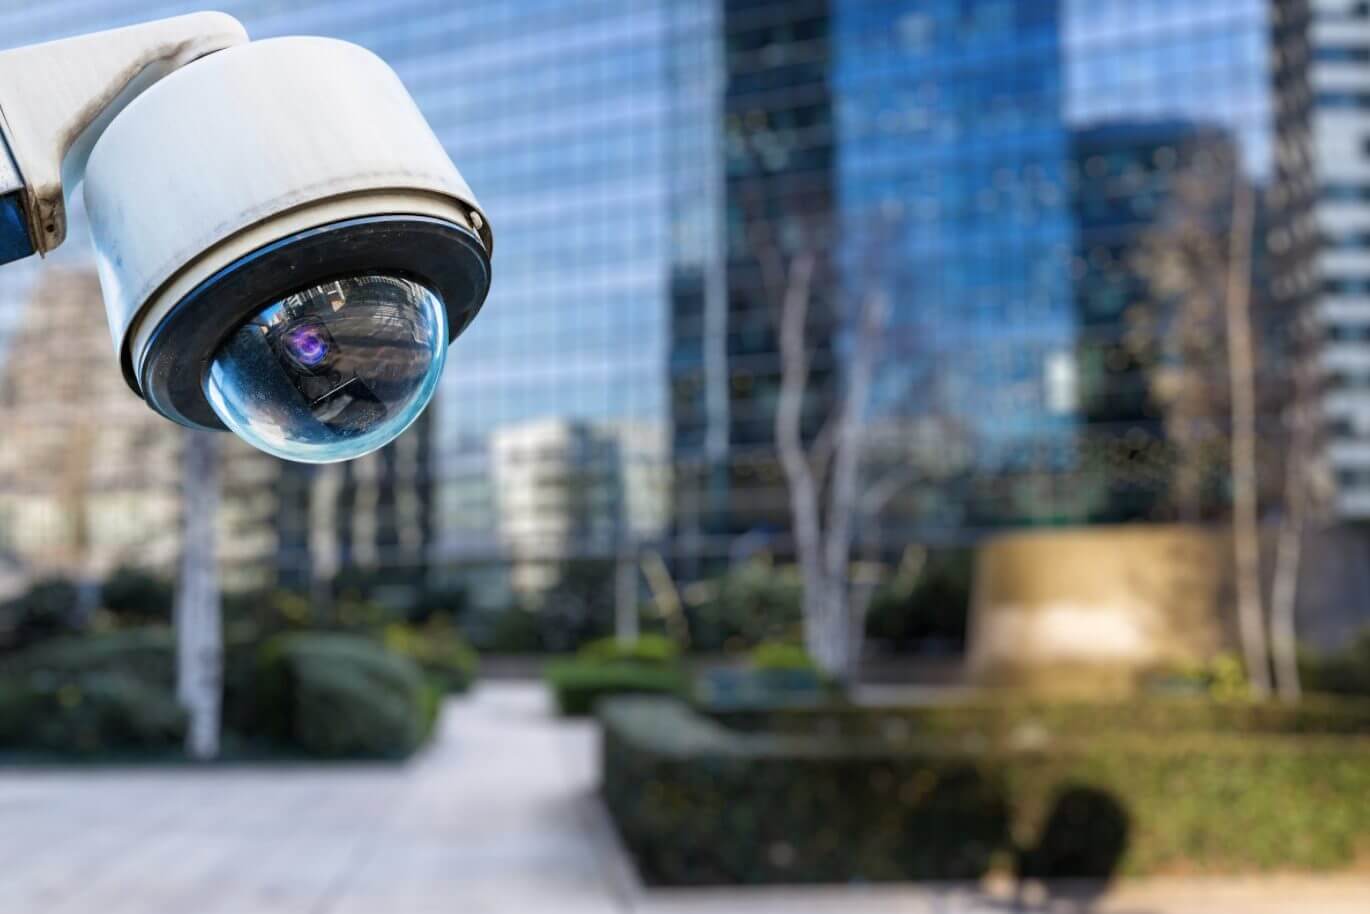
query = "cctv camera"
{"x": 284, "y": 247}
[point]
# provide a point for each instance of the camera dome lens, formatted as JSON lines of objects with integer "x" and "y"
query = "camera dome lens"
{"x": 333, "y": 372}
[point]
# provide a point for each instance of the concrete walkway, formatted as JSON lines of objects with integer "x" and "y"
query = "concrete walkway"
{"x": 497, "y": 817}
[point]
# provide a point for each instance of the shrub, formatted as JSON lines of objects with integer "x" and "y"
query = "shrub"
{"x": 341, "y": 695}
{"x": 439, "y": 650}
{"x": 943, "y": 792}
{"x": 145, "y": 654}
{"x": 512, "y": 630}
{"x": 697, "y": 804}
{"x": 90, "y": 713}
{"x": 1222, "y": 678}
{"x": 778, "y": 674}
{"x": 753, "y": 602}
{"x": 651, "y": 650}
{"x": 579, "y": 684}
{"x": 49, "y": 608}
{"x": 137, "y": 597}
{"x": 782, "y": 656}
{"x": 1346, "y": 672}
{"x": 929, "y": 609}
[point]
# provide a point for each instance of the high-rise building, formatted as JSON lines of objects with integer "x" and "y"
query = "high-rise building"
{"x": 1005, "y": 172}
{"x": 561, "y": 117}
{"x": 1339, "y": 79}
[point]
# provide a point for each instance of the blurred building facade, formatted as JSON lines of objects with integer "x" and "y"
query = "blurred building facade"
{"x": 1339, "y": 79}
{"x": 1007, "y": 171}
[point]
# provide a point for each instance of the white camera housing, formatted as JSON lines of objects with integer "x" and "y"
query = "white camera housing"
{"x": 223, "y": 182}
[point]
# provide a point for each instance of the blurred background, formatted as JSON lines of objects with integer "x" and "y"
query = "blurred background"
{"x": 897, "y": 347}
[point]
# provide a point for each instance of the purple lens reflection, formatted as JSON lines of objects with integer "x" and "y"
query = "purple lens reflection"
{"x": 307, "y": 345}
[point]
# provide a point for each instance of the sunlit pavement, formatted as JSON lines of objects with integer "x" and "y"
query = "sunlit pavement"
{"x": 496, "y": 817}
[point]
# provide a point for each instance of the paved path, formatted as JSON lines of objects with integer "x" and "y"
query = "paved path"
{"x": 495, "y": 818}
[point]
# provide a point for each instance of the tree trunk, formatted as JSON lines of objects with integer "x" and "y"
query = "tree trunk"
{"x": 1245, "y": 507}
{"x": 828, "y": 632}
{"x": 199, "y": 644}
{"x": 1284, "y": 589}
{"x": 626, "y": 628}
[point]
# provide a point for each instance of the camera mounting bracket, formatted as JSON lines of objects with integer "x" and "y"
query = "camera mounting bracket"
{"x": 57, "y": 98}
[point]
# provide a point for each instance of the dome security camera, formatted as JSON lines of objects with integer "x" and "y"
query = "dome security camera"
{"x": 284, "y": 247}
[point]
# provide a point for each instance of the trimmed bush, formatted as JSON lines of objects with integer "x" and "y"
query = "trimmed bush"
{"x": 145, "y": 654}
{"x": 1017, "y": 722}
{"x": 97, "y": 713}
{"x": 579, "y": 684}
{"x": 342, "y": 695}
{"x": 650, "y": 650}
{"x": 778, "y": 674}
{"x": 950, "y": 793}
{"x": 699, "y": 805}
{"x": 439, "y": 650}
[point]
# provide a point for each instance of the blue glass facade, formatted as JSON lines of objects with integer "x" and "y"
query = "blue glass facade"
{"x": 1012, "y": 156}
{"x": 997, "y": 166}
{"x": 954, "y": 156}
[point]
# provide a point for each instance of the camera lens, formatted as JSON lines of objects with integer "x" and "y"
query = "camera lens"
{"x": 332, "y": 372}
{"x": 308, "y": 345}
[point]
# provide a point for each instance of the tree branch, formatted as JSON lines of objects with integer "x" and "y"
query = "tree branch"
{"x": 794, "y": 378}
{"x": 842, "y": 498}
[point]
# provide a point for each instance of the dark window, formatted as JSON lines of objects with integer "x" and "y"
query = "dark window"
{"x": 1342, "y": 54}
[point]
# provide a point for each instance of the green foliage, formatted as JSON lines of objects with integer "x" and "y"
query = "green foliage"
{"x": 86, "y": 714}
{"x": 47, "y": 609}
{"x": 341, "y": 695}
{"x": 1346, "y": 672}
{"x": 136, "y": 596}
{"x": 1222, "y": 678}
{"x": 511, "y": 630}
{"x": 440, "y": 651}
{"x": 259, "y": 614}
{"x": 323, "y": 694}
{"x": 650, "y": 650}
{"x": 838, "y": 795}
{"x": 754, "y": 601}
{"x": 782, "y": 656}
{"x": 95, "y": 694}
{"x": 579, "y": 684}
{"x": 926, "y": 609}
{"x": 778, "y": 674}
{"x": 144, "y": 654}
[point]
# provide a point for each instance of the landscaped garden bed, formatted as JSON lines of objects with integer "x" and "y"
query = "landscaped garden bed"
{"x": 954, "y": 792}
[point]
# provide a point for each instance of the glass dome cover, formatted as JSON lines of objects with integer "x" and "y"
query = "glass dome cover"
{"x": 332, "y": 372}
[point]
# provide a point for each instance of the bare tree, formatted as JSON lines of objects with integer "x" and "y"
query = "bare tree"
{"x": 829, "y": 498}
{"x": 199, "y": 637}
{"x": 1306, "y": 489}
{"x": 1246, "y": 521}
{"x": 1211, "y": 377}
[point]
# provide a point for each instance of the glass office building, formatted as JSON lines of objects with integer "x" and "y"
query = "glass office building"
{"x": 554, "y": 403}
{"x": 1002, "y": 170}
{"x": 1024, "y": 158}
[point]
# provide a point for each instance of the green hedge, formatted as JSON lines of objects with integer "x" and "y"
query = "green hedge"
{"x": 342, "y": 695}
{"x": 449, "y": 662}
{"x": 579, "y": 684}
{"x": 919, "y": 795}
{"x": 89, "y": 714}
{"x": 651, "y": 650}
{"x": 114, "y": 695}
{"x": 1018, "y": 722}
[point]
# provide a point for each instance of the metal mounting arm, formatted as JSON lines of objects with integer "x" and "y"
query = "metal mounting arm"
{"x": 57, "y": 98}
